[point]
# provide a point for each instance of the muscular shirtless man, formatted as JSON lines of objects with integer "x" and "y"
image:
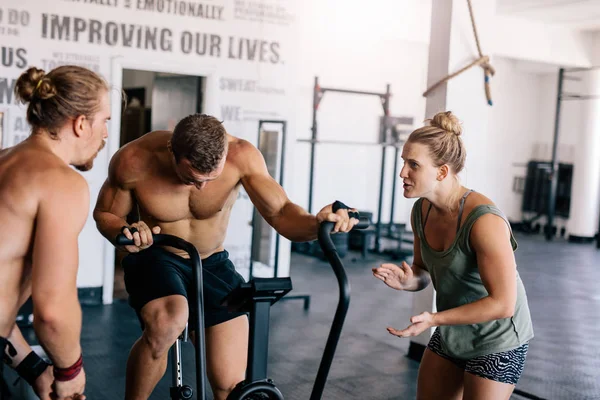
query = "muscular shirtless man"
{"x": 185, "y": 183}
{"x": 44, "y": 204}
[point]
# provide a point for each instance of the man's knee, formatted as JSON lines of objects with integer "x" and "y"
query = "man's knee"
{"x": 164, "y": 321}
{"x": 222, "y": 387}
{"x": 224, "y": 381}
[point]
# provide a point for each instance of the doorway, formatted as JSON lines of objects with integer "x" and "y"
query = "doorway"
{"x": 155, "y": 101}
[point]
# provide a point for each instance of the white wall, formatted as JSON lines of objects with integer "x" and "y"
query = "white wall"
{"x": 350, "y": 46}
{"x": 513, "y": 129}
{"x": 535, "y": 41}
{"x": 522, "y": 127}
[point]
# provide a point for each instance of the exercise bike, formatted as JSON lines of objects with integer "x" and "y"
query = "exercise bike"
{"x": 178, "y": 390}
{"x": 256, "y": 298}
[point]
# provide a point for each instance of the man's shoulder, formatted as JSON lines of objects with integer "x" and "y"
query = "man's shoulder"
{"x": 33, "y": 177}
{"x": 244, "y": 155}
{"x": 41, "y": 168}
{"x": 237, "y": 144}
{"x": 134, "y": 159}
{"x": 64, "y": 176}
{"x": 62, "y": 187}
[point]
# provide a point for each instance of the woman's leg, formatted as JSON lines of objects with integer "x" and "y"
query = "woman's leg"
{"x": 478, "y": 388}
{"x": 439, "y": 378}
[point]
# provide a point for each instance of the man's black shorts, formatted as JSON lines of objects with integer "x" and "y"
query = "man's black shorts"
{"x": 155, "y": 272}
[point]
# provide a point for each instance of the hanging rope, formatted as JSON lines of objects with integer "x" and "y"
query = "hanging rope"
{"x": 483, "y": 61}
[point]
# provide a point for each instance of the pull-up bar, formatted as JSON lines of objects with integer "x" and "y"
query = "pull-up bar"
{"x": 384, "y": 142}
{"x": 562, "y": 96}
{"x": 581, "y": 69}
{"x": 351, "y": 142}
{"x": 318, "y": 93}
{"x": 574, "y": 96}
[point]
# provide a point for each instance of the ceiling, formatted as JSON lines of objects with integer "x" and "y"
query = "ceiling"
{"x": 577, "y": 14}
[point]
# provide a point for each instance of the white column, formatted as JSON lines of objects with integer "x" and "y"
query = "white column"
{"x": 452, "y": 46}
{"x": 583, "y": 215}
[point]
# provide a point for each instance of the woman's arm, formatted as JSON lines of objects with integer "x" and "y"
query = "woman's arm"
{"x": 490, "y": 240}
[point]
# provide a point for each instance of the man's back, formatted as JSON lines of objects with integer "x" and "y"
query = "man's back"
{"x": 43, "y": 207}
{"x": 26, "y": 171}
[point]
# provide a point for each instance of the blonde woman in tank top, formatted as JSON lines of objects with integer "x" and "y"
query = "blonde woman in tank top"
{"x": 465, "y": 247}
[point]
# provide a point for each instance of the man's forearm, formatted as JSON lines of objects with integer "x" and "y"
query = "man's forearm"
{"x": 295, "y": 224}
{"x": 109, "y": 225}
{"x": 58, "y": 328}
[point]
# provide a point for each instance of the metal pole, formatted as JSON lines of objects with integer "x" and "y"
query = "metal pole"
{"x": 384, "y": 129}
{"x": 281, "y": 169}
{"x": 394, "y": 179}
{"x": 316, "y": 95}
{"x": 380, "y": 205}
{"x": 598, "y": 235}
{"x": 258, "y": 342}
{"x": 361, "y": 92}
{"x": 554, "y": 166}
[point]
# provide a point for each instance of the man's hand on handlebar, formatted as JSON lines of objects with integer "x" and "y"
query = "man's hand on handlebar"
{"x": 345, "y": 218}
{"x": 141, "y": 234}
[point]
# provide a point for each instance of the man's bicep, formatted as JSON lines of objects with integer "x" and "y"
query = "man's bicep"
{"x": 265, "y": 193}
{"x": 60, "y": 219}
{"x": 115, "y": 195}
{"x": 114, "y": 200}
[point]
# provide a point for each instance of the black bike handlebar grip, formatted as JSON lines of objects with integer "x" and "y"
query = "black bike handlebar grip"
{"x": 363, "y": 223}
{"x": 122, "y": 240}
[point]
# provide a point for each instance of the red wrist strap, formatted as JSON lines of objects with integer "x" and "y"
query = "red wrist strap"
{"x": 66, "y": 374}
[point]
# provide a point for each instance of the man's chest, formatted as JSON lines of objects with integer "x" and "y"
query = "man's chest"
{"x": 165, "y": 201}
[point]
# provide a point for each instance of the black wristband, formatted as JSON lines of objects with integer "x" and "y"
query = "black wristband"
{"x": 338, "y": 205}
{"x": 7, "y": 347}
{"x": 31, "y": 367}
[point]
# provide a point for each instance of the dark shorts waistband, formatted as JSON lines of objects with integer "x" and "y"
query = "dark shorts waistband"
{"x": 213, "y": 259}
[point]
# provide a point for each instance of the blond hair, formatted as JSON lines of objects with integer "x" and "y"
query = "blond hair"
{"x": 64, "y": 93}
{"x": 442, "y": 138}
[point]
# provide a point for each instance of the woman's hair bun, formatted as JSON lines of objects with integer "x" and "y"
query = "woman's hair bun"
{"x": 448, "y": 122}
